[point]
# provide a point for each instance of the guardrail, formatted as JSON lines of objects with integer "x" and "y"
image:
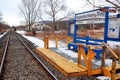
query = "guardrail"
{"x": 115, "y": 58}
{"x": 56, "y": 38}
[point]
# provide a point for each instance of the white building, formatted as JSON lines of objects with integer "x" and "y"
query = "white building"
{"x": 40, "y": 26}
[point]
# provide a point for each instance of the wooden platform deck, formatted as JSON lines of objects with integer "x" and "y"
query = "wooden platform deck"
{"x": 64, "y": 65}
{"x": 67, "y": 67}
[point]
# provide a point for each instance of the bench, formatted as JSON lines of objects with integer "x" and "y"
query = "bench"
{"x": 96, "y": 44}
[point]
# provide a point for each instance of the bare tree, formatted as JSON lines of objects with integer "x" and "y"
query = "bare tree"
{"x": 29, "y": 9}
{"x": 57, "y": 11}
{"x": 112, "y": 3}
{"x": 116, "y": 3}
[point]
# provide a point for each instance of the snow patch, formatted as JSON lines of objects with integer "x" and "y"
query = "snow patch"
{"x": 36, "y": 41}
{"x": 108, "y": 62}
{"x": 3, "y": 34}
{"x": 113, "y": 44}
{"x": 67, "y": 52}
{"x": 103, "y": 78}
{"x": 21, "y": 32}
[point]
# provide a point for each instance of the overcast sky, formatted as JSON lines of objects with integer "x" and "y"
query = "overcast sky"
{"x": 11, "y": 12}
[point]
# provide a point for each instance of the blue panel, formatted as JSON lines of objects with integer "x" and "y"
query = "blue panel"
{"x": 114, "y": 39}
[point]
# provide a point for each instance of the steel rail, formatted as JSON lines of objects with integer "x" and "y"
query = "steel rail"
{"x": 4, "y": 55}
{"x": 53, "y": 76}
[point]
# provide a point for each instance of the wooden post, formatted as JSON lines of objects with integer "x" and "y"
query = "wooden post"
{"x": 103, "y": 59}
{"x": 79, "y": 54}
{"x": 56, "y": 38}
{"x": 89, "y": 68}
{"x": 67, "y": 40}
{"x": 113, "y": 69}
{"x": 119, "y": 58}
{"x": 46, "y": 42}
{"x": 90, "y": 56}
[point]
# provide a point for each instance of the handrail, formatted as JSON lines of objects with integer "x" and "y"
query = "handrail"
{"x": 113, "y": 70}
{"x": 46, "y": 40}
{"x": 112, "y": 52}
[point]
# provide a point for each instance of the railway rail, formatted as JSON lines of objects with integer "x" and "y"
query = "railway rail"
{"x": 19, "y": 62}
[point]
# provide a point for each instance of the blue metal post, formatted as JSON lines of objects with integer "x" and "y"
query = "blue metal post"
{"x": 106, "y": 25}
{"x": 75, "y": 30}
{"x": 87, "y": 39}
{"x": 118, "y": 16}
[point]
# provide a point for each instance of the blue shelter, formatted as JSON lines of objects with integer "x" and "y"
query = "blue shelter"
{"x": 94, "y": 16}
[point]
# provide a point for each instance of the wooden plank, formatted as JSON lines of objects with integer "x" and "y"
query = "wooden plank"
{"x": 103, "y": 60}
{"x": 46, "y": 42}
{"x": 89, "y": 68}
{"x": 113, "y": 71}
{"x": 96, "y": 71}
{"x": 65, "y": 66}
{"x": 90, "y": 54}
{"x": 49, "y": 60}
{"x": 79, "y": 55}
{"x": 106, "y": 73}
{"x": 81, "y": 51}
{"x": 56, "y": 41}
{"x": 67, "y": 40}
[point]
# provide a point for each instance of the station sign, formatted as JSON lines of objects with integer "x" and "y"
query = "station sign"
{"x": 90, "y": 21}
{"x": 90, "y": 17}
{"x": 113, "y": 28}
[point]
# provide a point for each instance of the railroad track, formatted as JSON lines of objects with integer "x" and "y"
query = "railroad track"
{"x": 19, "y": 62}
{"x": 22, "y": 63}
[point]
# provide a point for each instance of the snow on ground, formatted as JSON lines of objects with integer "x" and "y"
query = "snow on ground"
{"x": 2, "y": 34}
{"x": 108, "y": 62}
{"x": 103, "y": 78}
{"x": 21, "y": 32}
{"x": 113, "y": 44}
{"x": 36, "y": 41}
{"x": 67, "y": 52}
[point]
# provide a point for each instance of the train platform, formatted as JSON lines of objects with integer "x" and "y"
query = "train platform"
{"x": 64, "y": 65}
{"x": 69, "y": 68}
